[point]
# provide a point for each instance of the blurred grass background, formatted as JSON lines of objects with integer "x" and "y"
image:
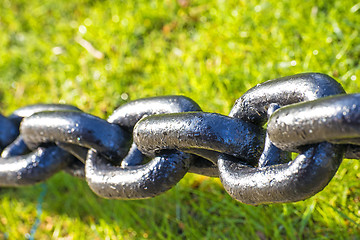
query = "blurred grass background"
{"x": 100, "y": 54}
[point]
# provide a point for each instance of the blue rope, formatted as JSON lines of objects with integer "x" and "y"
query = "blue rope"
{"x": 35, "y": 226}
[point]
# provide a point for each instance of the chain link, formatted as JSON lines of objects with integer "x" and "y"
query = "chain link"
{"x": 147, "y": 146}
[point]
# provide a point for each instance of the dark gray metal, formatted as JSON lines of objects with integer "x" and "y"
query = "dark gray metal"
{"x": 180, "y": 138}
{"x": 17, "y": 160}
{"x": 32, "y": 168}
{"x": 75, "y": 168}
{"x": 129, "y": 114}
{"x": 29, "y": 110}
{"x": 271, "y": 154}
{"x": 76, "y": 128}
{"x": 335, "y": 119}
{"x": 8, "y": 132}
{"x": 303, "y": 177}
{"x": 198, "y": 130}
{"x": 204, "y": 167}
{"x": 134, "y": 157}
{"x": 16, "y": 148}
{"x": 77, "y": 151}
{"x": 136, "y": 182}
{"x": 253, "y": 105}
{"x": 264, "y": 185}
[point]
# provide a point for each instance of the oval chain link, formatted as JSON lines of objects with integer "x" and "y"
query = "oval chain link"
{"x": 147, "y": 146}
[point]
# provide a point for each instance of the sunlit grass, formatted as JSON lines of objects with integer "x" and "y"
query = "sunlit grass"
{"x": 211, "y": 51}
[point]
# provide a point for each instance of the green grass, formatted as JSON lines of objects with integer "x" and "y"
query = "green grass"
{"x": 210, "y": 51}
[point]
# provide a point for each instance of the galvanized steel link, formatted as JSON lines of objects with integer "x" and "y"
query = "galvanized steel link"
{"x": 146, "y": 146}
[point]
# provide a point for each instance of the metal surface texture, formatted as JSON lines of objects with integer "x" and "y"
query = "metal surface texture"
{"x": 253, "y": 105}
{"x": 147, "y": 146}
{"x": 191, "y": 131}
{"x": 335, "y": 119}
{"x": 34, "y": 167}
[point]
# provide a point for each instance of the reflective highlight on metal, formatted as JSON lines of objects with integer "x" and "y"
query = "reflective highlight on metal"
{"x": 16, "y": 157}
{"x": 335, "y": 119}
{"x": 29, "y": 110}
{"x": 136, "y": 182}
{"x": 253, "y": 105}
{"x": 129, "y": 114}
{"x": 301, "y": 178}
{"x": 206, "y": 131}
{"x": 146, "y": 146}
{"x": 16, "y": 148}
{"x": 271, "y": 154}
{"x": 32, "y": 168}
{"x": 76, "y": 128}
{"x": 134, "y": 157}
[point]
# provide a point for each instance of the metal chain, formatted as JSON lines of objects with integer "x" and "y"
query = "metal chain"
{"x": 147, "y": 146}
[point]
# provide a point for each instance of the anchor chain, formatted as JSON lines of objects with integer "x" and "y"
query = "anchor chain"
{"x": 147, "y": 146}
